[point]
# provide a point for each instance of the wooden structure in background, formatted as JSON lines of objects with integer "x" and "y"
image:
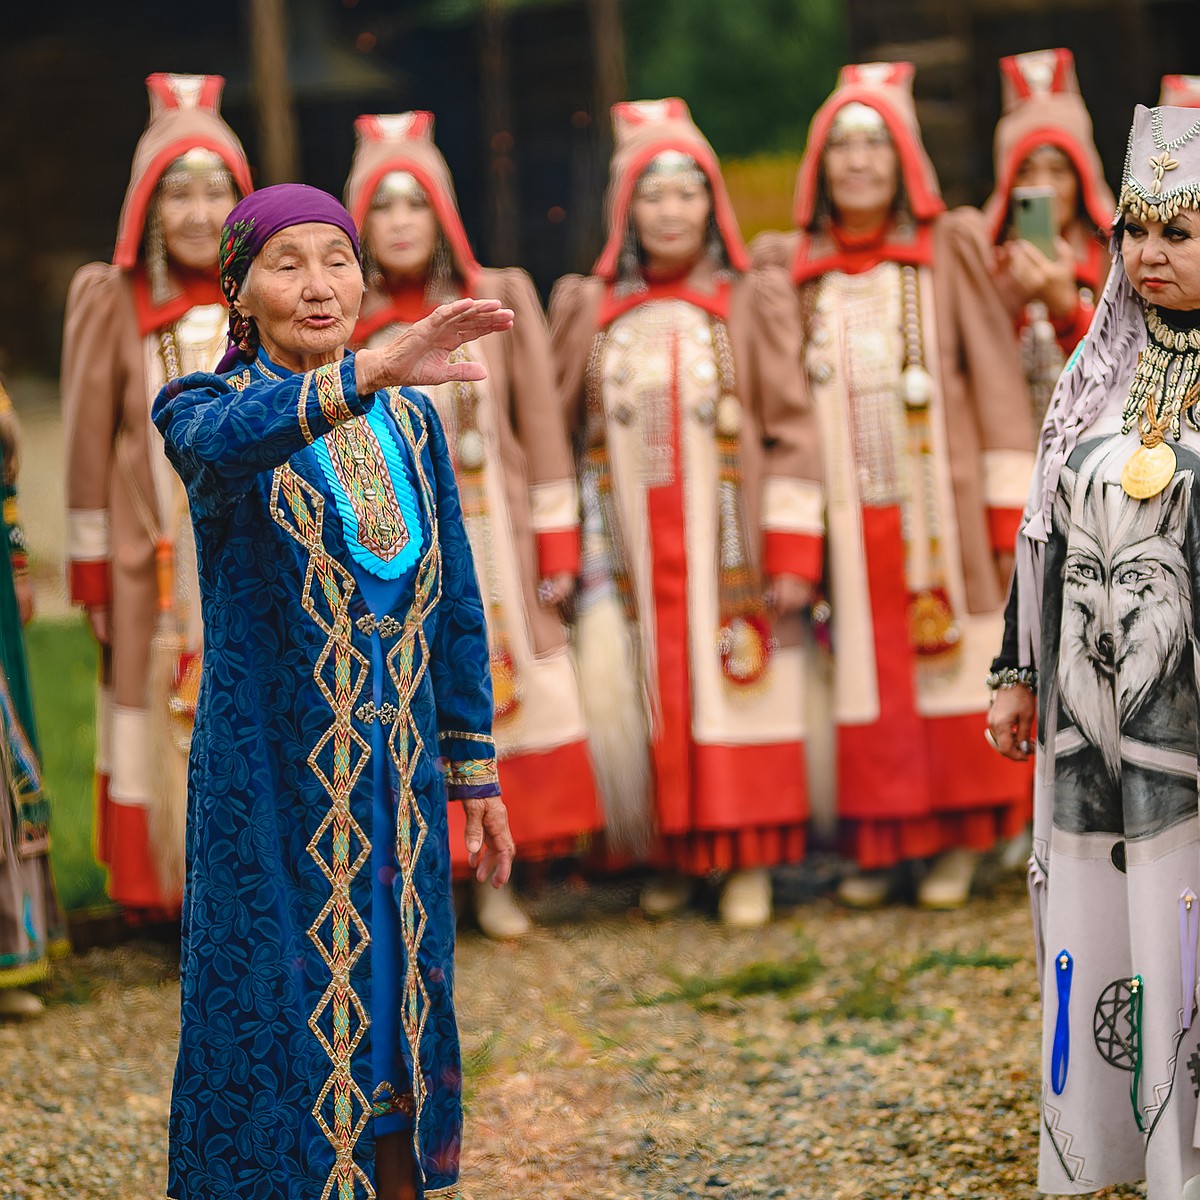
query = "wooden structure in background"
{"x": 271, "y": 87}
{"x": 521, "y": 91}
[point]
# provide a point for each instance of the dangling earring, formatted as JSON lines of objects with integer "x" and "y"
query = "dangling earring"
{"x": 629, "y": 264}
{"x": 372, "y": 272}
{"x": 243, "y": 333}
{"x": 714, "y": 249}
{"x": 154, "y": 252}
{"x": 439, "y": 279}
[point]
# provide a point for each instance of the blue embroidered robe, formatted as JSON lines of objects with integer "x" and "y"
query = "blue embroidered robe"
{"x": 318, "y": 923}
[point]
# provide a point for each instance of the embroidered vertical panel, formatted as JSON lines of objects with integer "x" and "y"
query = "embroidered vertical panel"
{"x": 338, "y": 846}
{"x": 374, "y": 496}
{"x": 407, "y": 662}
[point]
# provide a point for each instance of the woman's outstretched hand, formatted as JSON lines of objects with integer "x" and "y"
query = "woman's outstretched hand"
{"x": 420, "y": 356}
{"x": 490, "y": 848}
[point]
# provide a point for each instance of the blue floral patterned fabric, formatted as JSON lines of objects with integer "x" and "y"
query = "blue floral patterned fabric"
{"x": 275, "y": 1085}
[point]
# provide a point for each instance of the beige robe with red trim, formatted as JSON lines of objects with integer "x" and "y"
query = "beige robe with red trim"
{"x": 529, "y": 530}
{"x": 729, "y": 764}
{"x": 115, "y": 470}
{"x": 982, "y": 457}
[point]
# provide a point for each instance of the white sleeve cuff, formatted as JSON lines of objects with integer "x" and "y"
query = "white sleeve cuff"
{"x": 554, "y": 506}
{"x": 793, "y": 506}
{"x": 88, "y": 535}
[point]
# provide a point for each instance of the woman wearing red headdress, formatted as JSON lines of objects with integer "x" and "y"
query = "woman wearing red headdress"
{"x": 928, "y": 449}
{"x": 1044, "y": 140}
{"x": 154, "y": 314}
{"x": 513, "y": 464}
{"x": 702, "y": 528}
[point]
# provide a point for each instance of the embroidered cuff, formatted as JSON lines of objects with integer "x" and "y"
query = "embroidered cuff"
{"x": 1011, "y": 677}
{"x": 328, "y": 397}
{"x": 471, "y": 778}
{"x": 797, "y": 554}
{"x": 91, "y": 584}
{"x": 1003, "y": 526}
{"x": 558, "y": 552}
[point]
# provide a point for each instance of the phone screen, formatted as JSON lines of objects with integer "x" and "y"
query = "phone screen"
{"x": 1033, "y": 217}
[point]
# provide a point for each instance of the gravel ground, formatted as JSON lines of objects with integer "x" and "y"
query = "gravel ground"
{"x": 832, "y": 1055}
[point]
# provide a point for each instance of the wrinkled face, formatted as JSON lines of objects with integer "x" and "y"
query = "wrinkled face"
{"x": 192, "y": 207}
{"x": 1048, "y": 166}
{"x": 401, "y": 227}
{"x": 862, "y": 172}
{"x": 304, "y": 291}
{"x": 1162, "y": 260}
{"x": 670, "y": 216}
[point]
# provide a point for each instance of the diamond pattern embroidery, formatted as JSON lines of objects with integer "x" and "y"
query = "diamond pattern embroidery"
{"x": 338, "y": 847}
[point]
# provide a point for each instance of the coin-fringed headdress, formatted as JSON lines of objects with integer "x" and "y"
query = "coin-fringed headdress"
{"x": 642, "y": 131}
{"x": 1043, "y": 107}
{"x": 1180, "y": 91}
{"x": 1162, "y": 176}
{"x": 1162, "y": 164}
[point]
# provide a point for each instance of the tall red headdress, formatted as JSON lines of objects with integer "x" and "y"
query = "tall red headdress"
{"x": 404, "y": 142}
{"x": 887, "y": 88}
{"x": 643, "y": 130}
{"x": 1043, "y": 107}
{"x": 185, "y": 114}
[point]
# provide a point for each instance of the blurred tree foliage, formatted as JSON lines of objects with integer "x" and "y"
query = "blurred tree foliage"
{"x": 753, "y": 72}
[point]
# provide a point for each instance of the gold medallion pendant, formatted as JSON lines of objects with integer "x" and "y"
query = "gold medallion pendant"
{"x": 1148, "y": 470}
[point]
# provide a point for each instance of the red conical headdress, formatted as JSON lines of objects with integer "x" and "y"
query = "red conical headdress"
{"x": 643, "y": 130}
{"x": 1043, "y": 107}
{"x": 184, "y": 115}
{"x": 887, "y": 88}
{"x": 404, "y": 142}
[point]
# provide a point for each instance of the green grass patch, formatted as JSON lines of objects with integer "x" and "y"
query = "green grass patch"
{"x": 477, "y": 1066}
{"x": 62, "y": 667}
{"x": 872, "y": 996}
{"x": 948, "y": 960}
{"x": 755, "y": 979}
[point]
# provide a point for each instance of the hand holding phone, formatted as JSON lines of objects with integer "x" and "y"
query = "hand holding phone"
{"x": 1033, "y": 218}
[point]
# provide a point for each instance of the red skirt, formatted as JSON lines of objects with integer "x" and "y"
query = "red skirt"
{"x": 911, "y": 786}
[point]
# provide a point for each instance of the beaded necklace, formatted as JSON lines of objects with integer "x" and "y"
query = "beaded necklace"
{"x": 1165, "y": 388}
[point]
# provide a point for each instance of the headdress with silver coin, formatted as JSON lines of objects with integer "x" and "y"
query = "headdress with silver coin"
{"x": 857, "y": 117}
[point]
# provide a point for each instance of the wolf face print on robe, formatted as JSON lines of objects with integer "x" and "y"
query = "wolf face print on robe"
{"x": 1117, "y": 765}
{"x": 1127, "y": 657}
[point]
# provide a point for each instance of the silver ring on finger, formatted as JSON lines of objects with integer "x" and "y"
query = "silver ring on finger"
{"x": 1026, "y": 747}
{"x": 990, "y": 738}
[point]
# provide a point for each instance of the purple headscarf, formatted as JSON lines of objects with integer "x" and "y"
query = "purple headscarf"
{"x": 248, "y": 228}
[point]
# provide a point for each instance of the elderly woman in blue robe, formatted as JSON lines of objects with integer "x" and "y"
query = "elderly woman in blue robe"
{"x": 345, "y": 699}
